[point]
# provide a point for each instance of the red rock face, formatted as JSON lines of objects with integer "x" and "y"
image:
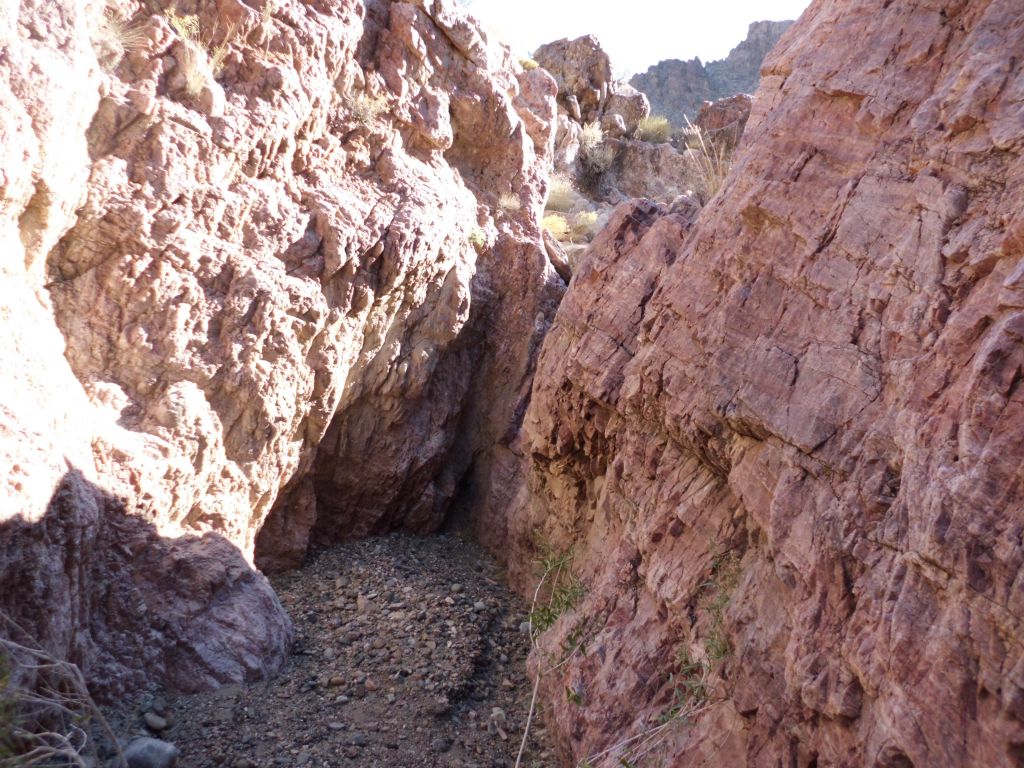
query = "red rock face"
{"x": 784, "y": 439}
{"x": 247, "y": 298}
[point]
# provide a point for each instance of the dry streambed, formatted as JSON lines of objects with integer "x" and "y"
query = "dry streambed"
{"x": 408, "y": 652}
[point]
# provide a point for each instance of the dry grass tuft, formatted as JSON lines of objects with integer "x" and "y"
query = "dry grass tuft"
{"x": 46, "y": 713}
{"x": 528, "y": 64}
{"x": 711, "y": 162}
{"x": 510, "y": 202}
{"x": 655, "y": 129}
{"x": 557, "y": 225}
{"x": 114, "y": 36}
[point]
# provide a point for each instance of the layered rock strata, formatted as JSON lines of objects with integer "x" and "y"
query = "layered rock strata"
{"x": 781, "y": 439}
{"x": 258, "y": 283}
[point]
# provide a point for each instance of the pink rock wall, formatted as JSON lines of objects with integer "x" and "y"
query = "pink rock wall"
{"x": 783, "y": 439}
{"x": 214, "y": 265}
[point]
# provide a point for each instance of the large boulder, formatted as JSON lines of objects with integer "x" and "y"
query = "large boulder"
{"x": 723, "y": 121}
{"x": 582, "y": 70}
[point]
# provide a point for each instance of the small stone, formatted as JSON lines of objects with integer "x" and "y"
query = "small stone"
{"x": 154, "y": 722}
{"x": 336, "y": 681}
{"x": 243, "y": 762}
{"x": 457, "y": 587}
{"x": 146, "y": 752}
{"x": 336, "y": 726}
{"x": 358, "y": 740}
{"x": 479, "y": 606}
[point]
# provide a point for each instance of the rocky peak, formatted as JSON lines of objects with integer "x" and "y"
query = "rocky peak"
{"x": 677, "y": 88}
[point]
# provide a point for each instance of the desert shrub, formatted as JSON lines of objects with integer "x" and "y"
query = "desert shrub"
{"x": 655, "y": 129}
{"x": 561, "y": 195}
{"x": 596, "y": 156}
{"x": 584, "y": 225}
{"x": 711, "y": 162}
{"x": 557, "y": 225}
{"x": 528, "y": 64}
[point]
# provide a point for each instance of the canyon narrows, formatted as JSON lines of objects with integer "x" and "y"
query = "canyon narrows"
{"x": 275, "y": 277}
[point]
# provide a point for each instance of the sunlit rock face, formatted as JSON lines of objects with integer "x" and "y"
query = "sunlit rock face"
{"x": 782, "y": 437}
{"x": 257, "y": 279}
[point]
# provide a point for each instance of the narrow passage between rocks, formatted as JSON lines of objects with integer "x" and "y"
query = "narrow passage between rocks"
{"x": 408, "y": 652}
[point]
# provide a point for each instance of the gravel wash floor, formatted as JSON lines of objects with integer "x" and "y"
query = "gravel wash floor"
{"x": 408, "y": 652}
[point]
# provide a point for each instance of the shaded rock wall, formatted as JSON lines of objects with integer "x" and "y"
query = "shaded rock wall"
{"x": 269, "y": 296}
{"x": 783, "y": 438}
{"x": 677, "y": 88}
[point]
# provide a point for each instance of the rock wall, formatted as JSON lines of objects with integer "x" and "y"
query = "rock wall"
{"x": 677, "y": 88}
{"x": 258, "y": 283}
{"x": 781, "y": 438}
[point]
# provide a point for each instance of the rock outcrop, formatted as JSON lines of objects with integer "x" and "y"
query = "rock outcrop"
{"x": 677, "y": 88}
{"x": 258, "y": 284}
{"x": 782, "y": 438}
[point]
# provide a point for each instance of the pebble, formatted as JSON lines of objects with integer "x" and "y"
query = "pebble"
{"x": 479, "y": 605}
{"x": 154, "y": 722}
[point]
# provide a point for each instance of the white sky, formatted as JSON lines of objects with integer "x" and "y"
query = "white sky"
{"x": 635, "y": 33}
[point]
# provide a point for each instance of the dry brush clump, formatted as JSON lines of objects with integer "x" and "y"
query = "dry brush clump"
{"x": 562, "y": 196}
{"x": 47, "y": 717}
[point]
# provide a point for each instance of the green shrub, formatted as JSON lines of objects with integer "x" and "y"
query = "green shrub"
{"x": 655, "y": 129}
{"x": 528, "y": 64}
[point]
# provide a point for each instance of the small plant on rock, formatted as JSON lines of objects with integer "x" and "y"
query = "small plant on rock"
{"x": 528, "y": 64}
{"x": 478, "y": 238}
{"x": 591, "y": 137}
